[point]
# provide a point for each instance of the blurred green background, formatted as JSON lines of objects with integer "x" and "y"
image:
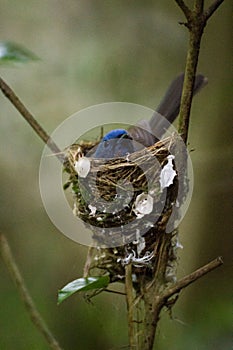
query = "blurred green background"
{"x": 94, "y": 52}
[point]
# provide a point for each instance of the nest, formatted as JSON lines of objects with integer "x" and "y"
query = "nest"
{"x": 107, "y": 200}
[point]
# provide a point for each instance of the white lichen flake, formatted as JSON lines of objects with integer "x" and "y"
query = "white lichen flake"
{"x": 143, "y": 205}
{"x": 136, "y": 261}
{"x": 82, "y": 166}
{"x": 92, "y": 209}
{"x": 167, "y": 174}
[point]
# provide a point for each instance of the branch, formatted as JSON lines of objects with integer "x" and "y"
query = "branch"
{"x": 130, "y": 300}
{"x": 187, "y": 280}
{"x": 35, "y": 316}
{"x": 9, "y": 93}
{"x": 196, "y": 22}
{"x": 209, "y": 12}
{"x": 184, "y": 8}
{"x": 198, "y": 6}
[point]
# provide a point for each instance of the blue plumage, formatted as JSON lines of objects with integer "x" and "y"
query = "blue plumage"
{"x": 116, "y": 133}
{"x": 116, "y": 143}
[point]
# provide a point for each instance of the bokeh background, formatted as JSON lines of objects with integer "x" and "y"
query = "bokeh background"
{"x": 93, "y": 52}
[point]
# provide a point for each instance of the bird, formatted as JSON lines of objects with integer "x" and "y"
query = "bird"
{"x": 121, "y": 142}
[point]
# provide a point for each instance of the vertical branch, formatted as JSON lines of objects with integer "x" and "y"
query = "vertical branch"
{"x": 129, "y": 290}
{"x": 198, "y": 6}
{"x": 196, "y": 22}
{"x": 189, "y": 79}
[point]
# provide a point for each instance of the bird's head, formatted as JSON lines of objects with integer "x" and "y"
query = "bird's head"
{"x": 116, "y": 143}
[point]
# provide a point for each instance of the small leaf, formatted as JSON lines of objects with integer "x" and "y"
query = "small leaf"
{"x": 66, "y": 185}
{"x": 82, "y": 285}
{"x": 14, "y": 53}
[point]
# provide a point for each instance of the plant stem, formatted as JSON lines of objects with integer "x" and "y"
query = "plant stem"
{"x": 196, "y": 22}
{"x": 155, "y": 295}
{"x": 9, "y": 93}
{"x": 212, "y": 8}
{"x": 129, "y": 291}
{"x": 194, "y": 276}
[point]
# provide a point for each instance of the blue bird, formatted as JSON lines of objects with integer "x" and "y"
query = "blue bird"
{"x": 116, "y": 143}
{"x": 120, "y": 142}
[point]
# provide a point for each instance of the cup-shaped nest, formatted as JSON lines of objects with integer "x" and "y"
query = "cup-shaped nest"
{"x": 120, "y": 199}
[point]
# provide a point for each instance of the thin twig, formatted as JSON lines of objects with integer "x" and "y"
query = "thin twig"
{"x": 114, "y": 291}
{"x": 184, "y": 7}
{"x": 212, "y": 8}
{"x": 9, "y": 93}
{"x": 35, "y": 316}
{"x": 185, "y": 281}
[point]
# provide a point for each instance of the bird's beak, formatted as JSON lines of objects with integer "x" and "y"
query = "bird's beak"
{"x": 126, "y": 136}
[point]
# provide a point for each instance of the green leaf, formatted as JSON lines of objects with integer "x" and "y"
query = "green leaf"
{"x": 14, "y": 53}
{"x": 82, "y": 285}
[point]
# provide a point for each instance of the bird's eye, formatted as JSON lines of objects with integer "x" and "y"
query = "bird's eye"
{"x": 106, "y": 144}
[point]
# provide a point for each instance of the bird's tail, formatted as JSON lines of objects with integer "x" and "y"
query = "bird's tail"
{"x": 169, "y": 107}
{"x": 148, "y": 132}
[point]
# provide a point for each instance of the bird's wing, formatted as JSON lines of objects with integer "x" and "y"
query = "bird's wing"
{"x": 141, "y": 133}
